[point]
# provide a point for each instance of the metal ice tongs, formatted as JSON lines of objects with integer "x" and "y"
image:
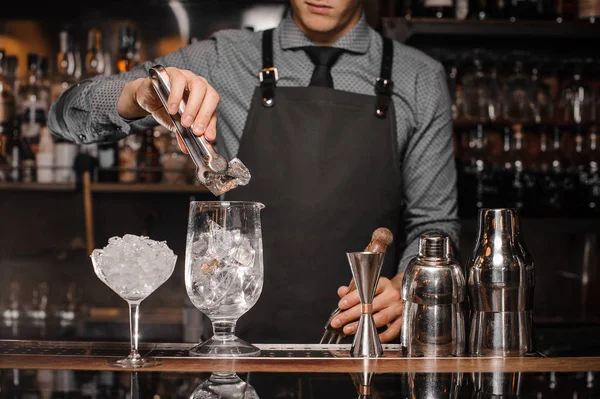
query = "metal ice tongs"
{"x": 212, "y": 168}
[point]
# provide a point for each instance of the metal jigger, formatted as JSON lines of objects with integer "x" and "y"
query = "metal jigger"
{"x": 366, "y": 268}
{"x": 362, "y": 383}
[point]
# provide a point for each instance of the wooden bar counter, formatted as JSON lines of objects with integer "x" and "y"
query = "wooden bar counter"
{"x": 56, "y": 355}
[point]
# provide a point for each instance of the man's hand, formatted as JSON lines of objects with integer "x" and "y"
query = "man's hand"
{"x": 387, "y": 308}
{"x": 138, "y": 99}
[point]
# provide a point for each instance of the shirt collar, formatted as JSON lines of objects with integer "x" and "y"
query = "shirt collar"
{"x": 356, "y": 40}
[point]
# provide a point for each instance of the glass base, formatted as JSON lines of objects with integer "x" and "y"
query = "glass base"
{"x": 233, "y": 347}
{"x": 134, "y": 363}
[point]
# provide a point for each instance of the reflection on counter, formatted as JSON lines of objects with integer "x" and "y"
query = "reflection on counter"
{"x": 54, "y": 384}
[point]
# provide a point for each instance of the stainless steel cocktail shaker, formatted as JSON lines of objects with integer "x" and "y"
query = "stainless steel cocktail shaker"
{"x": 433, "y": 293}
{"x": 500, "y": 284}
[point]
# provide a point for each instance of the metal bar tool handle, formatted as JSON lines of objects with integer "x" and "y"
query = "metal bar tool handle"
{"x": 201, "y": 151}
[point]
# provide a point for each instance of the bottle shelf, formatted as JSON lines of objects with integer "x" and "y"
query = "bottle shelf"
{"x": 147, "y": 188}
{"x": 107, "y": 187}
{"x": 403, "y": 29}
{"x": 15, "y": 186}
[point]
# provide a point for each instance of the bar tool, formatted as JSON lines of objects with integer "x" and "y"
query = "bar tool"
{"x": 433, "y": 293}
{"x": 500, "y": 283}
{"x": 433, "y": 385}
{"x": 363, "y": 384}
{"x": 380, "y": 240}
{"x": 496, "y": 385}
{"x": 366, "y": 269}
{"x": 212, "y": 169}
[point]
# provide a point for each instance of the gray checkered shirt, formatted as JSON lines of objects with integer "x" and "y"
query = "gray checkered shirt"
{"x": 230, "y": 61}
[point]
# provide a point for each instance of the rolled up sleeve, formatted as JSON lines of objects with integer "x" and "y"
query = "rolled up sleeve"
{"x": 86, "y": 112}
{"x": 428, "y": 170}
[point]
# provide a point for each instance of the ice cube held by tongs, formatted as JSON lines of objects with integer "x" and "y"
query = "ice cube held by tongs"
{"x": 212, "y": 169}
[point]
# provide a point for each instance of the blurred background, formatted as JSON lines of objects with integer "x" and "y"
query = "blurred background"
{"x": 524, "y": 76}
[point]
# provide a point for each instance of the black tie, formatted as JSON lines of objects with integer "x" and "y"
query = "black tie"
{"x": 323, "y": 57}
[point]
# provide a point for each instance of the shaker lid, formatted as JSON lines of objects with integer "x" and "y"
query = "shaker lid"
{"x": 434, "y": 244}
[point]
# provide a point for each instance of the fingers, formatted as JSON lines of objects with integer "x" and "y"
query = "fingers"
{"x": 207, "y": 111}
{"x": 386, "y": 298}
{"x": 346, "y": 317}
{"x": 383, "y": 284}
{"x": 388, "y": 315}
{"x": 342, "y": 291}
{"x": 178, "y": 85}
{"x": 197, "y": 88}
{"x": 349, "y": 300}
{"x": 392, "y": 332}
{"x": 387, "y": 306}
{"x": 211, "y": 130}
{"x": 181, "y": 145}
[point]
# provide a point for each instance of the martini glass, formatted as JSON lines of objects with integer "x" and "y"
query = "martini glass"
{"x": 134, "y": 267}
{"x": 224, "y": 270}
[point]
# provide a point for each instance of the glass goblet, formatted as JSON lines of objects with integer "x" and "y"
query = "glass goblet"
{"x": 134, "y": 267}
{"x": 224, "y": 386}
{"x": 224, "y": 270}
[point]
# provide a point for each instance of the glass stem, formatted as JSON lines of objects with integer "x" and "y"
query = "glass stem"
{"x": 134, "y": 318}
{"x": 224, "y": 330}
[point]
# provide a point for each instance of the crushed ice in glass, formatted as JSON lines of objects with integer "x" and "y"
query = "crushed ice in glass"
{"x": 134, "y": 266}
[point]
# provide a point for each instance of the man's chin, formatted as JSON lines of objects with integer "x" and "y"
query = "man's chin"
{"x": 320, "y": 25}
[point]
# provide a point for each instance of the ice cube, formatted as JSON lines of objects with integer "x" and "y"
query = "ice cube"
{"x": 244, "y": 253}
{"x": 200, "y": 246}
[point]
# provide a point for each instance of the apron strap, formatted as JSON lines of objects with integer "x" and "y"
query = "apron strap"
{"x": 384, "y": 84}
{"x": 268, "y": 75}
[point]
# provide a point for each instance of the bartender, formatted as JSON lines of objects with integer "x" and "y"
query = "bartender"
{"x": 343, "y": 131}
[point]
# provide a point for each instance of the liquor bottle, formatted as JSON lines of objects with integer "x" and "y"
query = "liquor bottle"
{"x": 173, "y": 162}
{"x": 575, "y": 104}
{"x": 45, "y": 157}
{"x": 434, "y": 9}
{"x": 589, "y": 10}
{"x": 11, "y": 73}
{"x": 65, "y": 153}
{"x": 484, "y": 9}
{"x": 94, "y": 57}
{"x": 574, "y": 166}
{"x": 128, "y": 160}
{"x": 28, "y": 162}
{"x": 148, "y": 161}
{"x": 523, "y": 9}
{"x": 125, "y": 56}
{"x": 591, "y": 174}
{"x": 33, "y": 104}
{"x": 7, "y": 97}
{"x": 64, "y": 76}
{"x": 44, "y": 80}
{"x": 108, "y": 162}
{"x": 136, "y": 45}
{"x": 467, "y": 177}
{"x": 13, "y": 151}
{"x": 566, "y": 10}
{"x": 484, "y": 189}
{"x": 518, "y": 161}
{"x": 4, "y": 166}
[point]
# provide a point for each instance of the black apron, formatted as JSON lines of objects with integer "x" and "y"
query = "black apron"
{"x": 325, "y": 164}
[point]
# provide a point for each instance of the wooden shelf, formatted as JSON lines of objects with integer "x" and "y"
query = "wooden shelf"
{"x": 37, "y": 186}
{"x": 147, "y": 188}
{"x": 108, "y": 187}
{"x": 403, "y": 29}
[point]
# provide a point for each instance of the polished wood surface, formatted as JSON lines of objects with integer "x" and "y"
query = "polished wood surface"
{"x": 274, "y": 358}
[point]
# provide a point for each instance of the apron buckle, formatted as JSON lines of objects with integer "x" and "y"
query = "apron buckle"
{"x": 267, "y": 78}
{"x": 268, "y": 75}
{"x": 383, "y": 89}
